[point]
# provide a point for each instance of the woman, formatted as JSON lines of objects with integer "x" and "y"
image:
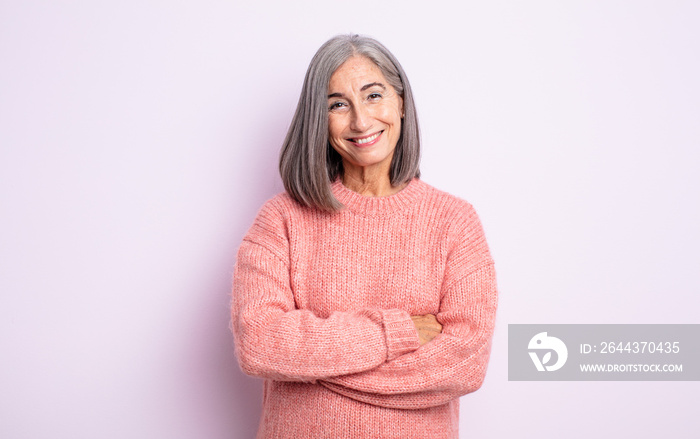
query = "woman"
{"x": 364, "y": 297}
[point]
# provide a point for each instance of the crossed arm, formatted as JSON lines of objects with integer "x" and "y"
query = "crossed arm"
{"x": 275, "y": 340}
{"x": 452, "y": 364}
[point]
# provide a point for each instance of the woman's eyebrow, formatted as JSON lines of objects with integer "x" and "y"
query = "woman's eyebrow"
{"x": 364, "y": 87}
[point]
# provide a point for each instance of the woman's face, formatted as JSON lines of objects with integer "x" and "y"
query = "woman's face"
{"x": 364, "y": 117}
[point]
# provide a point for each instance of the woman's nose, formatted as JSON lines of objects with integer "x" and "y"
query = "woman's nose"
{"x": 360, "y": 119}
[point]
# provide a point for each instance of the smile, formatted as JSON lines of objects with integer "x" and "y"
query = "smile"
{"x": 366, "y": 141}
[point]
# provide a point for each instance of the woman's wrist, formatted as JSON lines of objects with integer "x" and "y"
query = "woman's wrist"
{"x": 401, "y": 334}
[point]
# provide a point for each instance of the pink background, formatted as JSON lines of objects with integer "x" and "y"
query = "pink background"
{"x": 139, "y": 138}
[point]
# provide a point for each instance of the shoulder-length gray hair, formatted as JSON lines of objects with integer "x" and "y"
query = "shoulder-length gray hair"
{"x": 308, "y": 163}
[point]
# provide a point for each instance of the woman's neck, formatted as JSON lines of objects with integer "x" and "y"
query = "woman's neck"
{"x": 370, "y": 184}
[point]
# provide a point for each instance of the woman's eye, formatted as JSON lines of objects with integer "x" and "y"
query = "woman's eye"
{"x": 336, "y": 105}
{"x": 374, "y": 96}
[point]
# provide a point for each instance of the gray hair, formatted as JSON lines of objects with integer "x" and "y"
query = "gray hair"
{"x": 308, "y": 164}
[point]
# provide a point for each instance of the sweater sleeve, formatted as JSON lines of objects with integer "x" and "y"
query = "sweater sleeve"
{"x": 453, "y": 363}
{"x": 277, "y": 341}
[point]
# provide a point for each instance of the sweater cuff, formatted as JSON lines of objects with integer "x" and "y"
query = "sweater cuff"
{"x": 401, "y": 333}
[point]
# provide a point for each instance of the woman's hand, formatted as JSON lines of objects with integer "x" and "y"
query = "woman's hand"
{"x": 427, "y": 326}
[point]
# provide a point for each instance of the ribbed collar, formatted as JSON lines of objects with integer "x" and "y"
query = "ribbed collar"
{"x": 378, "y": 205}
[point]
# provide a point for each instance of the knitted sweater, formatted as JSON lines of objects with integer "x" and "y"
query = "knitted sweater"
{"x": 321, "y": 310}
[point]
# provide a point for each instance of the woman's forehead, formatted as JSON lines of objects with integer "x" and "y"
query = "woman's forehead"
{"x": 356, "y": 72}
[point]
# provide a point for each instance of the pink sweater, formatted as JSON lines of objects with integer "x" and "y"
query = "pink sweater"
{"x": 322, "y": 305}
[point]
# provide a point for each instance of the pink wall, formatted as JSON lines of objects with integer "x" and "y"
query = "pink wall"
{"x": 138, "y": 139}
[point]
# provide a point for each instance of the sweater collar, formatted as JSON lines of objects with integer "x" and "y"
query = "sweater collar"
{"x": 378, "y": 205}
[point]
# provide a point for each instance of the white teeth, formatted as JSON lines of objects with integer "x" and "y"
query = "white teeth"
{"x": 367, "y": 139}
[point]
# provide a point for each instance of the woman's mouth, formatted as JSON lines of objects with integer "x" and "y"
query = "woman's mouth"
{"x": 367, "y": 141}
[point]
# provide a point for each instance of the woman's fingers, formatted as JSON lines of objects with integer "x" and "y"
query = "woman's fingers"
{"x": 427, "y": 326}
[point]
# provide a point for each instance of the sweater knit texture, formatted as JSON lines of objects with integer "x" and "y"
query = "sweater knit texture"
{"x": 322, "y": 306}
